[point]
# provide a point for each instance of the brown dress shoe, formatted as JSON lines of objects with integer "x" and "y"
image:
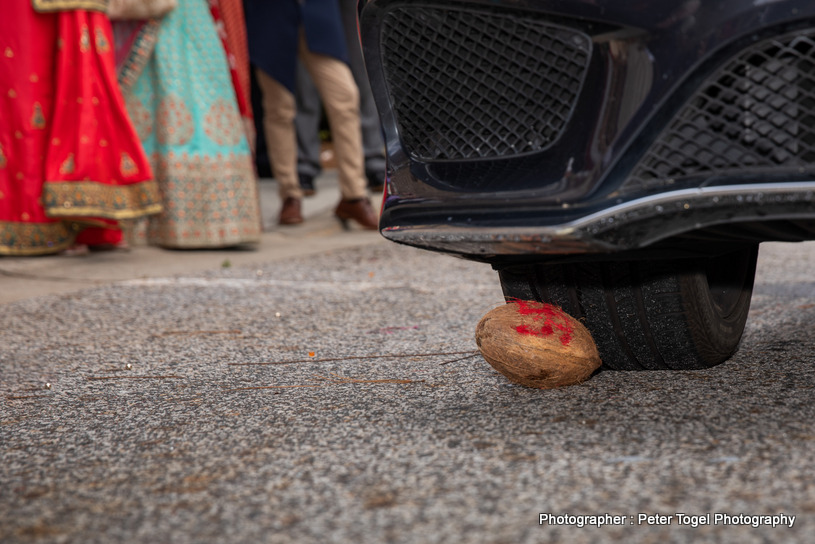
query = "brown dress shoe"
{"x": 359, "y": 210}
{"x": 290, "y": 212}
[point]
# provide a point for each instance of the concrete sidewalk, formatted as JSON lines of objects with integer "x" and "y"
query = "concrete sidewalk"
{"x": 26, "y": 277}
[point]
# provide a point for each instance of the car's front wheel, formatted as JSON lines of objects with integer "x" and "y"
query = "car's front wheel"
{"x": 649, "y": 314}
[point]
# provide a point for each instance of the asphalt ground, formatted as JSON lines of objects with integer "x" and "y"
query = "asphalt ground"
{"x": 337, "y": 396}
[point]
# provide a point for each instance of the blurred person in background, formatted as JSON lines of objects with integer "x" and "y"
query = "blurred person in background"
{"x": 184, "y": 73}
{"x": 309, "y": 111}
{"x": 280, "y": 33}
{"x": 71, "y": 164}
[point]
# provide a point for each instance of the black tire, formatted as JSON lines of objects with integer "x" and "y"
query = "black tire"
{"x": 649, "y": 315}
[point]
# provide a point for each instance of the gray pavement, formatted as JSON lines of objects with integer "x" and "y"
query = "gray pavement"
{"x": 332, "y": 397}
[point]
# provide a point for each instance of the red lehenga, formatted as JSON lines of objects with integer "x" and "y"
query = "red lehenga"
{"x": 71, "y": 163}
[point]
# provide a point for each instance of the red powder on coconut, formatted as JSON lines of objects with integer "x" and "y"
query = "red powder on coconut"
{"x": 554, "y": 321}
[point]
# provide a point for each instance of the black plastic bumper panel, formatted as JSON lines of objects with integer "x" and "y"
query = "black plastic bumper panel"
{"x": 755, "y": 115}
{"x": 468, "y": 84}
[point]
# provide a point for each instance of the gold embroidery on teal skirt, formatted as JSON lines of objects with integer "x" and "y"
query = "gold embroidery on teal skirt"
{"x": 193, "y": 187}
{"x": 222, "y": 123}
{"x": 174, "y": 124}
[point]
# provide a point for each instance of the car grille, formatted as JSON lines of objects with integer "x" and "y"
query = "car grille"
{"x": 469, "y": 84}
{"x": 756, "y": 114}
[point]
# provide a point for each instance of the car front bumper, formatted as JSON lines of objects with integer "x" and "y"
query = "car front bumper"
{"x": 602, "y": 127}
{"x": 629, "y": 226}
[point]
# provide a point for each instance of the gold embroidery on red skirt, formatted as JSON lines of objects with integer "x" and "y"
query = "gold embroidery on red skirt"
{"x": 18, "y": 238}
{"x": 91, "y": 198}
{"x": 2, "y": 158}
{"x": 127, "y": 167}
{"x": 67, "y": 166}
{"x": 84, "y": 39}
{"x": 102, "y": 43}
{"x": 45, "y": 6}
{"x": 37, "y": 118}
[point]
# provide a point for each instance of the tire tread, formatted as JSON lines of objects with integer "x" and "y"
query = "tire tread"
{"x": 643, "y": 315}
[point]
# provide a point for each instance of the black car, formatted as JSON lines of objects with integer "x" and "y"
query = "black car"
{"x": 622, "y": 159}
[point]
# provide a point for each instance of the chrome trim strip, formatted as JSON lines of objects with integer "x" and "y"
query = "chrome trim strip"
{"x": 629, "y": 225}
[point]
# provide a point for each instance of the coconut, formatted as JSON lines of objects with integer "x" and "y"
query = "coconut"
{"x": 537, "y": 345}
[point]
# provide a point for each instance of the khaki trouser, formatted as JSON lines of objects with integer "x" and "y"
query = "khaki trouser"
{"x": 340, "y": 97}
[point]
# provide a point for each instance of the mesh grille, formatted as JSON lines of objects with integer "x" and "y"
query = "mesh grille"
{"x": 471, "y": 84}
{"x": 756, "y": 114}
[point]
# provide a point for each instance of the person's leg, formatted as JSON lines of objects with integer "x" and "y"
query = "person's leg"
{"x": 281, "y": 141}
{"x": 262, "y": 161}
{"x": 372, "y": 143}
{"x": 340, "y": 98}
{"x": 307, "y": 124}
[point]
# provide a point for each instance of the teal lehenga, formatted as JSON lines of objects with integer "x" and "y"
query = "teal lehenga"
{"x": 179, "y": 94}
